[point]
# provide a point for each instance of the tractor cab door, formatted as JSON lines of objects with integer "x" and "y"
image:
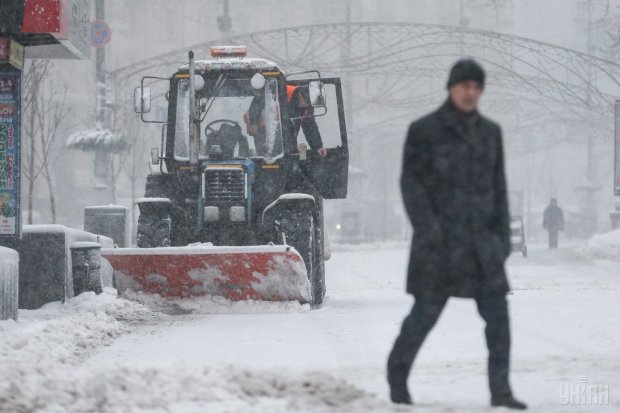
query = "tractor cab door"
{"x": 328, "y": 173}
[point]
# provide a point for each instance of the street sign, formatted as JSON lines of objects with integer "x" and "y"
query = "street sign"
{"x": 100, "y": 33}
{"x": 11, "y": 52}
{"x": 16, "y": 55}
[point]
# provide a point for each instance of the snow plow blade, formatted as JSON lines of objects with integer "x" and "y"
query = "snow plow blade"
{"x": 271, "y": 273}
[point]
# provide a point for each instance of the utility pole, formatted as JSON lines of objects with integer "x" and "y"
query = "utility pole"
{"x": 103, "y": 158}
{"x": 347, "y": 63}
{"x": 590, "y": 49}
{"x": 100, "y": 74}
{"x": 463, "y": 23}
{"x": 587, "y": 191}
{"x": 224, "y": 22}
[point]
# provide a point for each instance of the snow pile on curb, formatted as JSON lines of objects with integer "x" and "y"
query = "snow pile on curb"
{"x": 184, "y": 388}
{"x": 605, "y": 246}
{"x": 63, "y": 333}
{"x": 211, "y": 304}
{"x": 58, "y": 335}
{"x": 42, "y": 366}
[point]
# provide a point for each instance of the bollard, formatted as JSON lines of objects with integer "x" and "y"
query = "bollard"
{"x": 9, "y": 283}
{"x": 111, "y": 221}
{"x": 86, "y": 265}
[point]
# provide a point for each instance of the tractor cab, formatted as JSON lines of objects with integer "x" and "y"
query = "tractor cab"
{"x": 244, "y": 111}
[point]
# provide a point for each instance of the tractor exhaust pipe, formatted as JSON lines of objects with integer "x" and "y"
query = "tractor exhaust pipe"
{"x": 194, "y": 131}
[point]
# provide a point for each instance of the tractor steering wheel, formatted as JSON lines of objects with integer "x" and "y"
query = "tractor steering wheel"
{"x": 226, "y": 140}
{"x": 211, "y": 128}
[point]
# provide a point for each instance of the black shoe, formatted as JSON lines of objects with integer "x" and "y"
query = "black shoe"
{"x": 507, "y": 400}
{"x": 399, "y": 394}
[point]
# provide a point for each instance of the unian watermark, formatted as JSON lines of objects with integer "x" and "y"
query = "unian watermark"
{"x": 584, "y": 393}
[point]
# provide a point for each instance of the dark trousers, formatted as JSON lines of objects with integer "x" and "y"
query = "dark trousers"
{"x": 424, "y": 314}
{"x": 553, "y": 239}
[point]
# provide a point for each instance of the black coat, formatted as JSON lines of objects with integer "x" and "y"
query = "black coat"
{"x": 553, "y": 218}
{"x": 454, "y": 190}
{"x": 304, "y": 119}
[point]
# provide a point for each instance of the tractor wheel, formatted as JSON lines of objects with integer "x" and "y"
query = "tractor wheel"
{"x": 300, "y": 232}
{"x": 153, "y": 230}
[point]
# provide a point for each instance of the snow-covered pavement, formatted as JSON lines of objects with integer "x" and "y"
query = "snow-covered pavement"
{"x": 100, "y": 353}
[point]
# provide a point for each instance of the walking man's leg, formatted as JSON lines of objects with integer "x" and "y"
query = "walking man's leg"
{"x": 494, "y": 311}
{"x": 416, "y": 326}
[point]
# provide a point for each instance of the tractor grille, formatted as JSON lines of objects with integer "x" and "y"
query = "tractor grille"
{"x": 224, "y": 186}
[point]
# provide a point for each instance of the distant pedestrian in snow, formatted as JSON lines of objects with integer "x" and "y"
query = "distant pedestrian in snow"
{"x": 553, "y": 222}
{"x": 454, "y": 191}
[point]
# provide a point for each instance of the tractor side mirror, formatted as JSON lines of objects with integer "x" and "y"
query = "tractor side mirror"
{"x": 317, "y": 94}
{"x": 142, "y": 100}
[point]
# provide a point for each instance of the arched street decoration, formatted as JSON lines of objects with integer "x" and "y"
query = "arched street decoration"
{"x": 423, "y": 51}
{"x": 401, "y": 69}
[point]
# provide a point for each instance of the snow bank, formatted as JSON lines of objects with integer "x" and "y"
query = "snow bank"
{"x": 48, "y": 344}
{"x": 43, "y": 367}
{"x": 59, "y": 334}
{"x": 186, "y": 388}
{"x": 604, "y": 246}
{"x": 210, "y": 304}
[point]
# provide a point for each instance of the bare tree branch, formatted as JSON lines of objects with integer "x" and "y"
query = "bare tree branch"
{"x": 44, "y": 109}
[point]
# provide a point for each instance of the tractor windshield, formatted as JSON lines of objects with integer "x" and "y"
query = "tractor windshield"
{"x": 236, "y": 121}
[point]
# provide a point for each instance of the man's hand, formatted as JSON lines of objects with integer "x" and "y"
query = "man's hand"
{"x": 322, "y": 152}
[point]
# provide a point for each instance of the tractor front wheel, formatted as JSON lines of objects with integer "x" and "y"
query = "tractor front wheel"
{"x": 154, "y": 230}
{"x": 300, "y": 232}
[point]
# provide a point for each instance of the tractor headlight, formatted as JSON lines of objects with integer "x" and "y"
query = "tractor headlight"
{"x": 237, "y": 214}
{"x": 211, "y": 214}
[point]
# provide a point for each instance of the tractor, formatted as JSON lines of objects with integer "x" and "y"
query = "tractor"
{"x": 236, "y": 189}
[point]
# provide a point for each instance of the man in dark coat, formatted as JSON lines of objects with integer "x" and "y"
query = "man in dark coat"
{"x": 553, "y": 222}
{"x": 454, "y": 190}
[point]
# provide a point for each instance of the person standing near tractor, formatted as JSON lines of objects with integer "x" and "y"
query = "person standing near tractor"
{"x": 553, "y": 222}
{"x": 301, "y": 118}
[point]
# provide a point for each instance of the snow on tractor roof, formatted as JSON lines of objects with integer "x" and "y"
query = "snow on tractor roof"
{"x": 230, "y": 58}
{"x": 232, "y": 63}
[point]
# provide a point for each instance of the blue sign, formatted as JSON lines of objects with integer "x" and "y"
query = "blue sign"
{"x": 100, "y": 33}
{"x": 10, "y": 139}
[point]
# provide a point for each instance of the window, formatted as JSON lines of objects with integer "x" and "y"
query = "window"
{"x": 242, "y": 121}
{"x": 329, "y": 124}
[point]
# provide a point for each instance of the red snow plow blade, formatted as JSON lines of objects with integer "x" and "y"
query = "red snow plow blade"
{"x": 272, "y": 273}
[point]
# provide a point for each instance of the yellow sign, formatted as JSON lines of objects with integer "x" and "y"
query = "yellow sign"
{"x": 16, "y": 55}
{"x": 222, "y": 166}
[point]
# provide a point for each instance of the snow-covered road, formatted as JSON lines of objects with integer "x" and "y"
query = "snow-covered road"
{"x": 113, "y": 355}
